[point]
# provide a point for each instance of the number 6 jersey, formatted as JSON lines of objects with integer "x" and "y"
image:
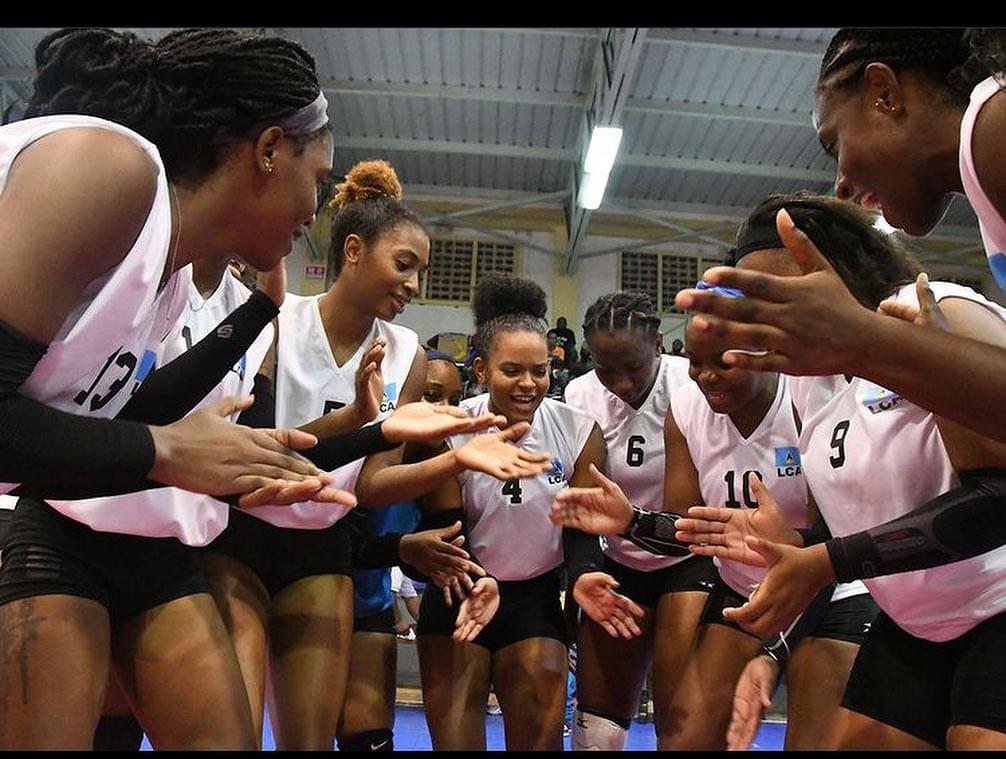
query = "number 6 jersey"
{"x": 635, "y": 439}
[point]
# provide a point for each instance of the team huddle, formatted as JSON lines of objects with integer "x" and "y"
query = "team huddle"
{"x": 212, "y": 481}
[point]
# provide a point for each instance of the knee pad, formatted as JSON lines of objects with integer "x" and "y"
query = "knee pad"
{"x": 119, "y": 733}
{"x": 368, "y": 740}
{"x": 592, "y": 732}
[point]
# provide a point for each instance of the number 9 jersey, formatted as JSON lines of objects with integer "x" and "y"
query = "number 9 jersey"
{"x": 635, "y": 440}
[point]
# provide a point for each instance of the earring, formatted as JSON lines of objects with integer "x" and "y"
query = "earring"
{"x": 883, "y": 105}
{"x": 267, "y": 166}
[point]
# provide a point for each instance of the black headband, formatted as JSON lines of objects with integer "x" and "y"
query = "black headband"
{"x": 758, "y": 237}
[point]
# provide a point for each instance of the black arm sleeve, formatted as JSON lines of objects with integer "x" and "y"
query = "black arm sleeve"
{"x": 960, "y": 524}
{"x": 781, "y": 645}
{"x": 582, "y": 553}
{"x": 45, "y": 447}
{"x": 262, "y": 412}
{"x": 654, "y": 531}
{"x": 330, "y": 453}
{"x": 170, "y": 392}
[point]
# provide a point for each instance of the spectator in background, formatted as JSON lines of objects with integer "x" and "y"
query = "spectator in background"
{"x": 565, "y": 337}
{"x": 677, "y": 347}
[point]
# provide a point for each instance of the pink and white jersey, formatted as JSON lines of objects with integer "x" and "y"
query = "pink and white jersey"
{"x": 870, "y": 456}
{"x": 990, "y": 222}
{"x": 193, "y": 518}
{"x": 110, "y": 341}
{"x": 309, "y": 384}
{"x": 724, "y": 458}
{"x": 635, "y": 439}
{"x": 508, "y": 527}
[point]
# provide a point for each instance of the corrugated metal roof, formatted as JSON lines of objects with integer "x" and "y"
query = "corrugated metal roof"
{"x": 713, "y": 118}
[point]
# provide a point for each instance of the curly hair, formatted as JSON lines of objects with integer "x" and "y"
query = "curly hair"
{"x": 504, "y": 303}
{"x": 368, "y": 204}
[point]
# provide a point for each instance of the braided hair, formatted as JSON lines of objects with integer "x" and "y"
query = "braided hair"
{"x": 873, "y": 265}
{"x": 620, "y": 310}
{"x": 179, "y": 92}
{"x": 368, "y": 204}
{"x": 504, "y": 303}
{"x": 957, "y": 59}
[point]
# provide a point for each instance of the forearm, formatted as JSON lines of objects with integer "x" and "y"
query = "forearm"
{"x": 913, "y": 362}
{"x": 406, "y": 482}
{"x": 581, "y": 553}
{"x": 781, "y": 645}
{"x": 965, "y": 522}
{"x": 170, "y": 392}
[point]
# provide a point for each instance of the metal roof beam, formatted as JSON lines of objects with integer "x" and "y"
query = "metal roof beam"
{"x": 738, "y": 41}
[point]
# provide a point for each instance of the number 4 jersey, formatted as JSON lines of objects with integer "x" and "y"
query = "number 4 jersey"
{"x": 635, "y": 439}
{"x": 508, "y": 527}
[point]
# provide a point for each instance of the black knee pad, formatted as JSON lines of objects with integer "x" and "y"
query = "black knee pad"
{"x": 368, "y": 740}
{"x": 118, "y": 733}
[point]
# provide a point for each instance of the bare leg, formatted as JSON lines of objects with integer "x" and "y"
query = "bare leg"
{"x": 610, "y": 671}
{"x": 972, "y": 738}
{"x": 455, "y": 679}
{"x": 54, "y": 672}
{"x": 243, "y": 603}
{"x": 674, "y": 637}
{"x": 179, "y": 671}
{"x": 700, "y": 709}
{"x": 854, "y": 731}
{"x": 370, "y": 692}
{"x": 529, "y": 678}
{"x": 815, "y": 679}
{"x": 311, "y": 627}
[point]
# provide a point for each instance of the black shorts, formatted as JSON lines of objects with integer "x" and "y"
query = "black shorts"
{"x": 528, "y": 609}
{"x": 646, "y": 588}
{"x": 282, "y": 555}
{"x": 47, "y": 553}
{"x": 721, "y": 597}
{"x": 923, "y": 687}
{"x": 849, "y": 619}
{"x": 381, "y": 622}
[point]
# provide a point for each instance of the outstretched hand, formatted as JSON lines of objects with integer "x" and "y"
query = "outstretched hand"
{"x": 603, "y": 510}
{"x": 617, "y": 614}
{"x": 722, "y": 532}
{"x": 495, "y": 454}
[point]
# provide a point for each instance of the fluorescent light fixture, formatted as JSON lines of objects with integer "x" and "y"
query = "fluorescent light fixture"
{"x": 591, "y": 190}
{"x": 601, "y": 152}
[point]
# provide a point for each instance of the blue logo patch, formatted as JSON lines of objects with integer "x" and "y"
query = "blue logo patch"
{"x": 558, "y": 474}
{"x": 787, "y": 456}
{"x": 390, "y": 400}
{"x": 997, "y": 262}
{"x": 147, "y": 363}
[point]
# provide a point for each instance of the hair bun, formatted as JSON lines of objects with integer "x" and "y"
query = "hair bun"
{"x": 502, "y": 294}
{"x": 366, "y": 181}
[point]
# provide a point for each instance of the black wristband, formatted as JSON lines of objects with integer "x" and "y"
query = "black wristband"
{"x": 333, "y": 452}
{"x": 818, "y": 532}
{"x": 654, "y": 532}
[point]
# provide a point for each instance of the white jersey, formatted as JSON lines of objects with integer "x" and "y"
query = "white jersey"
{"x": 193, "y": 518}
{"x": 309, "y": 384}
{"x": 723, "y": 459}
{"x": 110, "y": 341}
{"x": 991, "y": 223}
{"x": 635, "y": 439}
{"x": 871, "y": 456}
{"x": 508, "y": 527}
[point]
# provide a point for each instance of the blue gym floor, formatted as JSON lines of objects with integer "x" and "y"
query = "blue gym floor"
{"x": 411, "y": 734}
